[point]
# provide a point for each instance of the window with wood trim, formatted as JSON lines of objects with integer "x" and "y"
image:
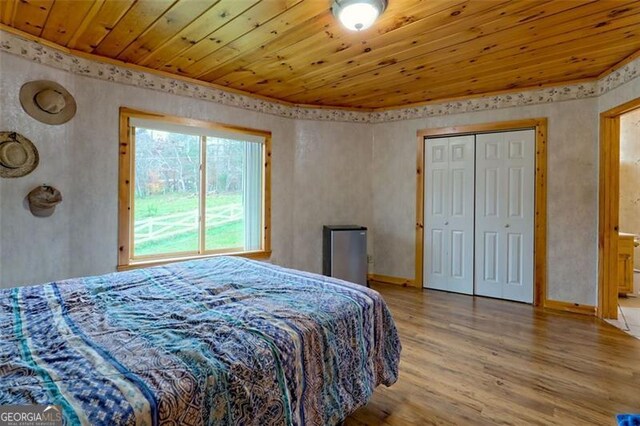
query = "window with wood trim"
{"x": 191, "y": 188}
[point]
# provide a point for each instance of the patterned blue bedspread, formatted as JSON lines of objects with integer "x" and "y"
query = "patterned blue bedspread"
{"x": 219, "y": 341}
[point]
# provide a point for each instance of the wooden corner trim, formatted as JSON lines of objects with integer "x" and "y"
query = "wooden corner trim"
{"x": 386, "y": 279}
{"x": 576, "y": 308}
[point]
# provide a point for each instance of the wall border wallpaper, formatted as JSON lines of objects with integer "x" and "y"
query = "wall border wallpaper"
{"x": 36, "y": 52}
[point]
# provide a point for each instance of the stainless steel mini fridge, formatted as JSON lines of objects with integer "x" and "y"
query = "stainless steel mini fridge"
{"x": 344, "y": 250}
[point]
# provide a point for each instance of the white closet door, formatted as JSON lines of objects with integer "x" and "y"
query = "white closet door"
{"x": 448, "y": 195}
{"x": 436, "y": 171}
{"x": 505, "y": 215}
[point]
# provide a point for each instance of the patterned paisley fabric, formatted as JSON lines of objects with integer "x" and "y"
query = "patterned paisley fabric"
{"x": 221, "y": 341}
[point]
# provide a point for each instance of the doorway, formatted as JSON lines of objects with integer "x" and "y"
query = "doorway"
{"x": 619, "y": 230}
{"x": 461, "y": 136}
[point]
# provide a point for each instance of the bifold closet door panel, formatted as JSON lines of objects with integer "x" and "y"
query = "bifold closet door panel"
{"x": 448, "y": 195}
{"x": 504, "y": 222}
{"x": 436, "y": 213}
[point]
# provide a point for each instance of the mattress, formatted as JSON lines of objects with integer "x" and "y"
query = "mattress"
{"x": 224, "y": 341}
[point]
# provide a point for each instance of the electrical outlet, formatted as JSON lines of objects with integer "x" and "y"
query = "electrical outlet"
{"x": 369, "y": 258}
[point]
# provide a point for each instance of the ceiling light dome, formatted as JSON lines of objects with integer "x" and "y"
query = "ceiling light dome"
{"x": 358, "y": 15}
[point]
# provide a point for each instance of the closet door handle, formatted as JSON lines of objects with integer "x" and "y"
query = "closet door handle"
{"x": 446, "y": 223}
{"x": 507, "y": 225}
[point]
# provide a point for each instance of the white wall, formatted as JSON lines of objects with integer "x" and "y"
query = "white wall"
{"x": 571, "y": 192}
{"x": 309, "y": 187}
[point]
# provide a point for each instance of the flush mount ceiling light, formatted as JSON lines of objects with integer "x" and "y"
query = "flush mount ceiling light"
{"x": 358, "y": 15}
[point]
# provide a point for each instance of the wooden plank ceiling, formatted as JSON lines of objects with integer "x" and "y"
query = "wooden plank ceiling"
{"x": 294, "y": 50}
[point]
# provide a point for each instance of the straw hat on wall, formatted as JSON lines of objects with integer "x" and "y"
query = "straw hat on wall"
{"x": 47, "y": 101}
{"x": 18, "y": 156}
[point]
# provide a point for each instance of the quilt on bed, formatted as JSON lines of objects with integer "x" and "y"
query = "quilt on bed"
{"x": 218, "y": 341}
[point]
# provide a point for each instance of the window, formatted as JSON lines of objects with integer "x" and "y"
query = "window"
{"x": 191, "y": 188}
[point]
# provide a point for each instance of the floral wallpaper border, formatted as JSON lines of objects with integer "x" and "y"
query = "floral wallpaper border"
{"x": 45, "y": 55}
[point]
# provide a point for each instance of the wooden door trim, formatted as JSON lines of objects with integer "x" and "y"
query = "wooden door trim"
{"x": 540, "y": 216}
{"x": 608, "y": 208}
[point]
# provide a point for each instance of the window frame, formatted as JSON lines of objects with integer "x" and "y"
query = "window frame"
{"x": 126, "y": 192}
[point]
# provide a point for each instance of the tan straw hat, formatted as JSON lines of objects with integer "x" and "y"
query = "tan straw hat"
{"x": 47, "y": 101}
{"x": 43, "y": 200}
{"x": 18, "y": 156}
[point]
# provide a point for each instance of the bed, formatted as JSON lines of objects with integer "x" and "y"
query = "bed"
{"x": 222, "y": 341}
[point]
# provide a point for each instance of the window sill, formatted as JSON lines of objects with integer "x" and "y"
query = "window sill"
{"x": 157, "y": 262}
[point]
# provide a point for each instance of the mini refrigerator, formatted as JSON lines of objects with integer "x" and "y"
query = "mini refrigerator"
{"x": 344, "y": 252}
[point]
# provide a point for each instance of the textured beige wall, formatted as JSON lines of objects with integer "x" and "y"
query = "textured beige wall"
{"x": 630, "y": 176}
{"x": 332, "y": 170}
{"x": 309, "y": 187}
{"x": 324, "y": 172}
{"x": 572, "y": 193}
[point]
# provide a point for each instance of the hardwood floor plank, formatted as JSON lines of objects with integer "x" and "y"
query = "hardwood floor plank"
{"x": 476, "y": 361}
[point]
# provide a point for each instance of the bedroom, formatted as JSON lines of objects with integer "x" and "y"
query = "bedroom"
{"x": 339, "y": 118}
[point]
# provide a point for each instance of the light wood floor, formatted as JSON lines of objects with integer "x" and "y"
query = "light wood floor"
{"x": 474, "y": 361}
